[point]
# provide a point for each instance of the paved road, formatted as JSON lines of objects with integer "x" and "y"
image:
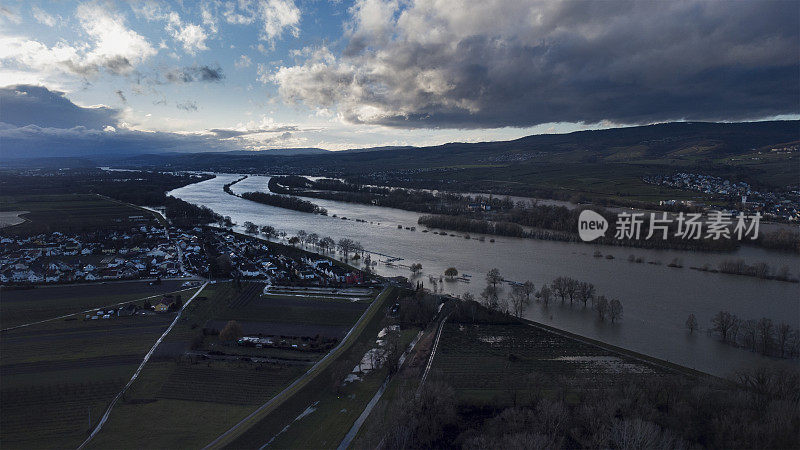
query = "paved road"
{"x": 262, "y": 411}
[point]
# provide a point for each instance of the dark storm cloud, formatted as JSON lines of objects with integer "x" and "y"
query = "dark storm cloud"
{"x": 36, "y": 122}
{"x": 189, "y": 74}
{"x": 506, "y": 63}
{"x": 35, "y": 105}
{"x": 32, "y": 141}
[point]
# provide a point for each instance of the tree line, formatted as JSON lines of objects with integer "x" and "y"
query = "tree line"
{"x": 187, "y": 215}
{"x": 283, "y": 201}
{"x": 497, "y": 215}
{"x": 561, "y": 288}
{"x": 763, "y": 336}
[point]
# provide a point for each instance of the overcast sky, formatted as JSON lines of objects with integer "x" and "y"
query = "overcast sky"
{"x": 212, "y": 75}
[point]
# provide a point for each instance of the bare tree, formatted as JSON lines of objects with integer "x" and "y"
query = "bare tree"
{"x": 358, "y": 248}
{"x": 345, "y": 245}
{"x": 250, "y": 227}
{"x": 269, "y": 231}
{"x": 571, "y": 288}
{"x": 313, "y": 239}
{"x": 614, "y": 310}
{"x": 545, "y": 295}
{"x": 518, "y": 300}
{"x": 415, "y": 268}
{"x": 302, "y": 235}
{"x": 528, "y": 288}
{"x": 586, "y": 292}
{"x": 327, "y": 243}
{"x": 722, "y": 323}
{"x": 469, "y": 301}
{"x": 493, "y": 277}
{"x": 601, "y": 306}
{"x": 784, "y": 332}
{"x": 231, "y": 332}
{"x": 691, "y": 323}
{"x": 750, "y": 333}
{"x": 766, "y": 334}
{"x": 560, "y": 287}
{"x": 490, "y": 296}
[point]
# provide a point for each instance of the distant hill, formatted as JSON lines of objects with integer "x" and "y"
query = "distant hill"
{"x": 281, "y": 151}
{"x": 720, "y": 148}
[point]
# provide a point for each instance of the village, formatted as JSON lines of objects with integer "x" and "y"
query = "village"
{"x": 156, "y": 253}
{"x": 784, "y": 206}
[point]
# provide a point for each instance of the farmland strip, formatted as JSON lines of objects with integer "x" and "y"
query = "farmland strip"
{"x": 138, "y": 370}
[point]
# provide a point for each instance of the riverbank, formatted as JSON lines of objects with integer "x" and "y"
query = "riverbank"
{"x": 657, "y": 298}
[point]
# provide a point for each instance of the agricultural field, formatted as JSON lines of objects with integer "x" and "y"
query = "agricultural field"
{"x": 21, "y": 306}
{"x": 496, "y": 363}
{"x": 58, "y": 376}
{"x": 221, "y": 386}
{"x": 70, "y": 213}
{"x": 313, "y": 325}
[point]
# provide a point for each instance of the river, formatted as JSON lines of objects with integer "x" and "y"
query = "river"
{"x": 657, "y": 299}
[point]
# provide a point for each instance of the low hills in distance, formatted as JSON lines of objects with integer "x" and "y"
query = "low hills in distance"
{"x": 762, "y": 153}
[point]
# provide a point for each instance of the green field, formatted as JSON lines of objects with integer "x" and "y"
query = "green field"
{"x": 69, "y": 213}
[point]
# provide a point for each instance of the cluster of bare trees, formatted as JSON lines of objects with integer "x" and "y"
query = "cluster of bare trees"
{"x": 564, "y": 288}
{"x": 763, "y": 335}
{"x": 759, "y": 270}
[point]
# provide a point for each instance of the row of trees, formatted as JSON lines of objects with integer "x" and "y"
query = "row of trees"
{"x": 563, "y": 288}
{"x": 284, "y": 201}
{"x": 760, "y": 270}
{"x": 763, "y": 335}
{"x": 325, "y": 244}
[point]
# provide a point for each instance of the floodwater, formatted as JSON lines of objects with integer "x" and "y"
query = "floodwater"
{"x": 657, "y": 299}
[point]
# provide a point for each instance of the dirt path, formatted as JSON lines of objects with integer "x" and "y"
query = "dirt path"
{"x": 139, "y": 369}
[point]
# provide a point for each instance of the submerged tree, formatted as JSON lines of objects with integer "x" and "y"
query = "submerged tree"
{"x": 518, "y": 300}
{"x": 586, "y": 292}
{"x": 269, "y": 231}
{"x": 493, "y": 277}
{"x": 614, "y": 310}
{"x": 345, "y": 245}
{"x": 601, "y": 306}
{"x": 691, "y": 323}
{"x": 250, "y": 227}
{"x": 545, "y": 295}
{"x": 490, "y": 296}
